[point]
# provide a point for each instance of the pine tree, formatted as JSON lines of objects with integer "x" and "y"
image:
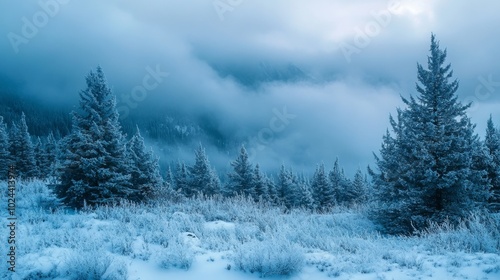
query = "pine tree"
{"x": 4, "y": 150}
{"x": 240, "y": 180}
{"x": 51, "y": 158}
{"x": 289, "y": 187}
{"x": 306, "y": 196}
{"x": 433, "y": 146}
{"x": 357, "y": 191}
{"x": 95, "y": 169}
{"x": 40, "y": 167}
{"x": 338, "y": 182}
{"x": 392, "y": 194}
{"x": 22, "y": 151}
{"x": 322, "y": 191}
{"x": 181, "y": 179}
{"x": 492, "y": 143}
{"x": 272, "y": 191}
{"x": 202, "y": 176}
{"x": 145, "y": 169}
{"x": 169, "y": 178}
{"x": 260, "y": 185}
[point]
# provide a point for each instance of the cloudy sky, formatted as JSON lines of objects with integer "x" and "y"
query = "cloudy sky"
{"x": 305, "y": 81}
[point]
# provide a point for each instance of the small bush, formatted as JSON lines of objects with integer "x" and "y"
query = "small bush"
{"x": 36, "y": 195}
{"x": 477, "y": 233}
{"x": 94, "y": 265}
{"x": 272, "y": 257}
{"x": 177, "y": 254}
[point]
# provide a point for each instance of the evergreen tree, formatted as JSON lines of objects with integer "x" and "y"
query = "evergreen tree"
{"x": 339, "y": 183}
{"x": 4, "y": 150}
{"x": 202, "y": 176}
{"x": 145, "y": 169}
{"x": 321, "y": 190}
{"x": 392, "y": 194}
{"x": 240, "y": 180}
{"x": 290, "y": 188}
{"x": 40, "y": 167}
{"x": 22, "y": 151}
{"x": 306, "y": 196}
{"x": 51, "y": 158}
{"x": 272, "y": 191}
{"x": 492, "y": 143}
{"x": 260, "y": 185}
{"x": 181, "y": 179}
{"x": 357, "y": 192}
{"x": 433, "y": 148}
{"x": 95, "y": 168}
{"x": 169, "y": 178}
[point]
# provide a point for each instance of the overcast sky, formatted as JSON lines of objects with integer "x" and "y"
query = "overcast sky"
{"x": 355, "y": 58}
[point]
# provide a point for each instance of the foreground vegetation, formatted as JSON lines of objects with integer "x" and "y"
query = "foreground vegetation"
{"x": 101, "y": 243}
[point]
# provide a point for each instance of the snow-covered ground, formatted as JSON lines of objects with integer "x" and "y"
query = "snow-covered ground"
{"x": 213, "y": 239}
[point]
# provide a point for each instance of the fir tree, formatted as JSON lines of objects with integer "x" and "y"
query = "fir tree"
{"x": 51, "y": 158}
{"x": 337, "y": 182}
{"x": 95, "y": 168}
{"x": 181, "y": 179}
{"x": 392, "y": 194}
{"x": 169, "y": 178}
{"x": 357, "y": 192}
{"x": 272, "y": 191}
{"x": 433, "y": 148}
{"x": 260, "y": 185}
{"x": 240, "y": 180}
{"x": 40, "y": 167}
{"x": 492, "y": 143}
{"x": 22, "y": 151}
{"x": 306, "y": 196}
{"x": 202, "y": 176}
{"x": 289, "y": 187}
{"x": 322, "y": 192}
{"x": 145, "y": 169}
{"x": 4, "y": 150}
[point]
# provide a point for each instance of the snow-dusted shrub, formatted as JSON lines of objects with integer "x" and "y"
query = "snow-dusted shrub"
{"x": 477, "y": 233}
{"x": 94, "y": 265}
{"x": 178, "y": 254}
{"x": 271, "y": 257}
{"x": 409, "y": 260}
{"x": 35, "y": 195}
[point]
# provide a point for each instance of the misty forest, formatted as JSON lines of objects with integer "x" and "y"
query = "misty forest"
{"x": 103, "y": 186}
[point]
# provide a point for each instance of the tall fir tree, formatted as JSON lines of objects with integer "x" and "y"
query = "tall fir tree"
{"x": 305, "y": 194}
{"x": 51, "y": 158}
{"x": 259, "y": 185}
{"x": 181, "y": 179}
{"x": 38, "y": 149}
{"x": 356, "y": 194}
{"x": 492, "y": 143}
{"x": 434, "y": 146}
{"x": 322, "y": 191}
{"x": 241, "y": 179}
{"x": 289, "y": 188}
{"x": 272, "y": 191}
{"x": 4, "y": 150}
{"x": 338, "y": 182}
{"x": 22, "y": 151}
{"x": 95, "y": 168}
{"x": 202, "y": 176}
{"x": 144, "y": 169}
{"x": 391, "y": 193}
{"x": 169, "y": 177}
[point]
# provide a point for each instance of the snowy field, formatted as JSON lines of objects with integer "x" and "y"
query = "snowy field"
{"x": 236, "y": 239}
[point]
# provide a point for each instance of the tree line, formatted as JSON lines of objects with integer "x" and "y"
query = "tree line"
{"x": 95, "y": 164}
